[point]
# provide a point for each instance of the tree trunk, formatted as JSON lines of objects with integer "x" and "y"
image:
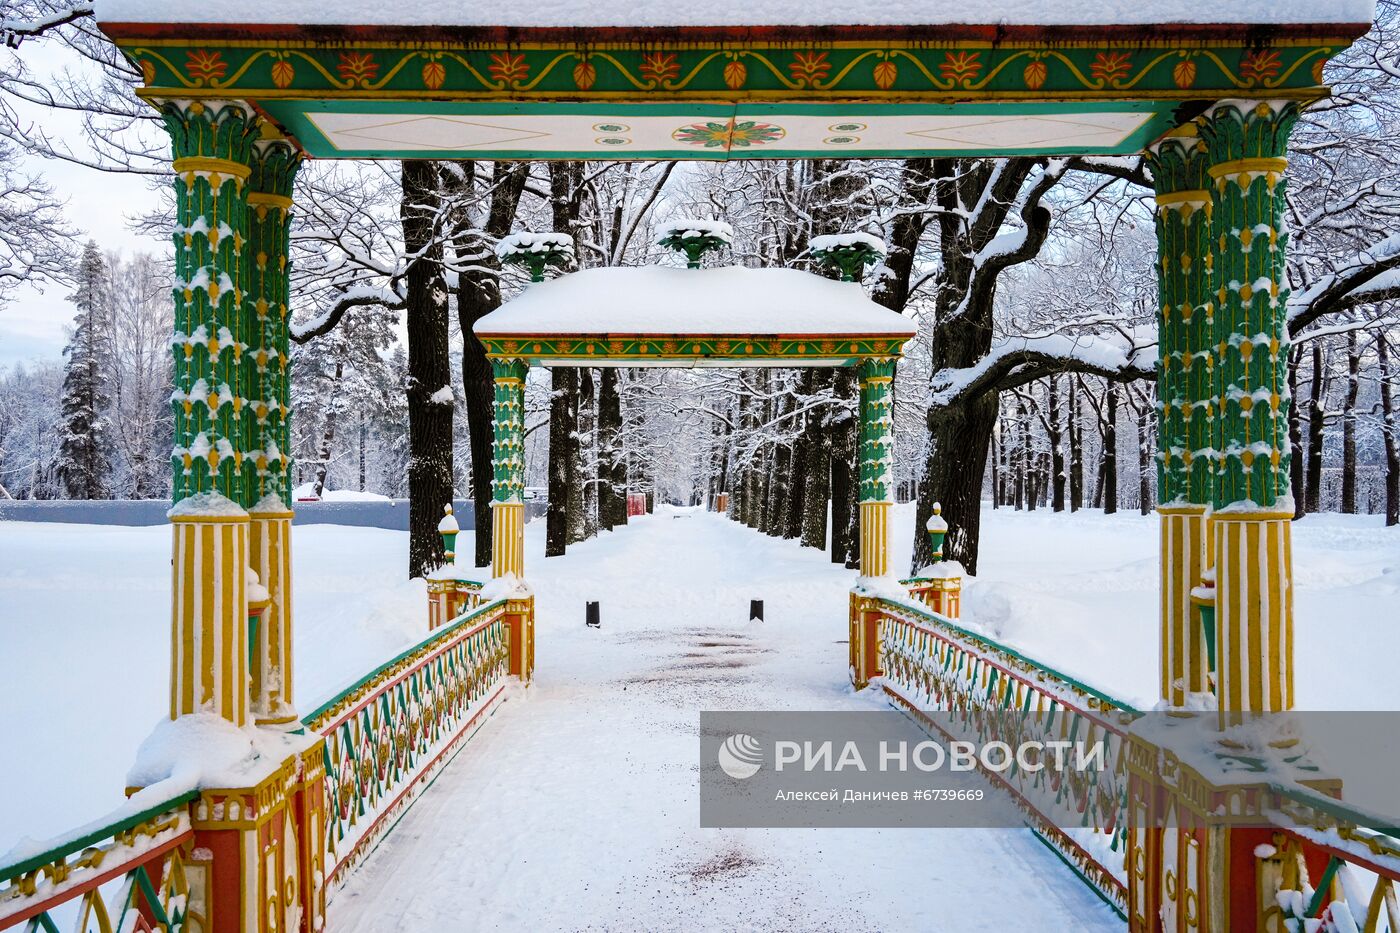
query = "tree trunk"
{"x": 1317, "y": 425}
{"x": 323, "y": 459}
{"x": 954, "y": 478}
{"x": 1388, "y": 428}
{"x": 1057, "y": 454}
{"x": 364, "y": 437}
{"x": 429, "y": 369}
{"x": 1076, "y": 449}
{"x": 815, "y": 496}
{"x": 845, "y": 493}
{"x": 1018, "y": 456}
{"x": 583, "y": 491}
{"x": 612, "y": 476}
{"x": 563, "y": 468}
{"x": 478, "y": 294}
{"x": 1295, "y": 435}
{"x": 1349, "y": 426}
{"x": 1144, "y": 426}
{"x": 1110, "y": 450}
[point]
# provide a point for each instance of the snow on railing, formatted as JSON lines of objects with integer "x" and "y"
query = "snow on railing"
{"x": 106, "y": 876}
{"x": 995, "y": 693}
{"x": 388, "y": 734}
{"x": 1359, "y": 855}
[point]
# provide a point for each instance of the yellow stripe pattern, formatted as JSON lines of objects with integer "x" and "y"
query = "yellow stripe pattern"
{"x": 507, "y": 539}
{"x": 1254, "y": 612}
{"x": 209, "y": 640}
{"x": 874, "y": 538}
{"x": 1183, "y": 651}
{"x": 270, "y": 538}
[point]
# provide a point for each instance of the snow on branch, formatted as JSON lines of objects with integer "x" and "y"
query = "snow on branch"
{"x": 1014, "y": 361}
{"x": 15, "y": 31}
{"x": 1373, "y": 275}
{"x": 358, "y": 297}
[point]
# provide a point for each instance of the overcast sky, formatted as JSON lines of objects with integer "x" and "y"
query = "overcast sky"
{"x": 32, "y": 325}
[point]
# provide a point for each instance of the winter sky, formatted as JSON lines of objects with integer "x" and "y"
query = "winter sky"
{"x": 33, "y": 323}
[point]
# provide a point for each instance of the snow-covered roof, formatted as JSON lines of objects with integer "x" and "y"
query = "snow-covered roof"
{"x": 654, "y": 13}
{"x": 659, "y": 301}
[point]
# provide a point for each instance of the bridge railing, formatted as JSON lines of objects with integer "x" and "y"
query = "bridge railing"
{"x": 105, "y": 876}
{"x": 388, "y": 734}
{"x": 994, "y": 692}
{"x": 1332, "y": 867}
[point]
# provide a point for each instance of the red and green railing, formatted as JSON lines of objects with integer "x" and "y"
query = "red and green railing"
{"x": 994, "y": 692}
{"x": 1332, "y": 866}
{"x": 129, "y": 872}
{"x": 388, "y": 734}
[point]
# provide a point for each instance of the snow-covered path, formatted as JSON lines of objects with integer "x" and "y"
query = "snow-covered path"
{"x": 577, "y": 806}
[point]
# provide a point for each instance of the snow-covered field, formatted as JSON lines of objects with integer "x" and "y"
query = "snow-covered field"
{"x": 84, "y": 625}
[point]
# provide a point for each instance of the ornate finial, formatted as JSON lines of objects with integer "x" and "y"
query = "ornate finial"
{"x": 448, "y": 529}
{"x": 695, "y": 238}
{"x": 937, "y": 527}
{"x": 848, "y": 253}
{"x": 537, "y": 251}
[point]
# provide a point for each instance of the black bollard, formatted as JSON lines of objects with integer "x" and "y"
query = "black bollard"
{"x": 591, "y": 615}
{"x": 755, "y": 610}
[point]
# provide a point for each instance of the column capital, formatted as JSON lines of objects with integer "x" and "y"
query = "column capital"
{"x": 211, "y": 129}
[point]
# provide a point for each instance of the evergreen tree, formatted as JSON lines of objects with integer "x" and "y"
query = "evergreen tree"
{"x": 84, "y": 461}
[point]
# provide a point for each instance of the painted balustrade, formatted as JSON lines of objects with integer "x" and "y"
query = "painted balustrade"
{"x": 1329, "y": 868}
{"x": 389, "y": 734}
{"x": 996, "y": 693}
{"x": 134, "y": 871}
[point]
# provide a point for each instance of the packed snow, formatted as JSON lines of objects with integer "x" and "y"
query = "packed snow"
{"x": 662, "y": 301}
{"x": 688, "y": 228}
{"x": 576, "y": 806}
{"x": 636, "y": 13}
{"x": 518, "y": 244}
{"x": 833, "y": 241}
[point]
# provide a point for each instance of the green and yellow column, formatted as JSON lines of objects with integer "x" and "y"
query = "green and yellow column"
{"x": 1185, "y": 325}
{"x": 508, "y": 513}
{"x": 508, "y": 462}
{"x": 876, "y": 465}
{"x": 1252, "y": 506}
{"x": 212, "y": 460}
{"x": 267, "y": 371}
{"x": 876, "y": 446}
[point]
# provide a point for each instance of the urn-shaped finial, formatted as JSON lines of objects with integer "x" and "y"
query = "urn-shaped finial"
{"x": 937, "y": 527}
{"x": 695, "y": 238}
{"x": 448, "y": 529}
{"x": 537, "y": 252}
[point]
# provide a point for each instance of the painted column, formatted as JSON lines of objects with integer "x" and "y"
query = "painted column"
{"x": 1185, "y": 321}
{"x": 267, "y": 423}
{"x": 876, "y": 465}
{"x": 876, "y": 447}
{"x": 211, "y": 460}
{"x": 508, "y": 460}
{"x": 1252, "y": 504}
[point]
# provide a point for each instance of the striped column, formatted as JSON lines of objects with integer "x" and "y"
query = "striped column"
{"x": 1185, "y": 406}
{"x": 1253, "y": 507}
{"x": 212, "y": 459}
{"x": 268, "y": 424}
{"x": 508, "y": 461}
{"x": 876, "y": 465}
{"x": 209, "y": 637}
{"x": 270, "y": 557}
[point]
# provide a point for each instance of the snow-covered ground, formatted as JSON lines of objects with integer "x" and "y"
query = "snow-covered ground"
{"x": 577, "y": 807}
{"x": 84, "y": 627}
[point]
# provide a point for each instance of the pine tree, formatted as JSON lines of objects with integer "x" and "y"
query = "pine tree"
{"x": 84, "y": 463}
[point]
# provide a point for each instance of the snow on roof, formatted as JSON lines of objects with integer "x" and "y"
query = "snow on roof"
{"x": 661, "y": 301}
{"x": 650, "y": 13}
